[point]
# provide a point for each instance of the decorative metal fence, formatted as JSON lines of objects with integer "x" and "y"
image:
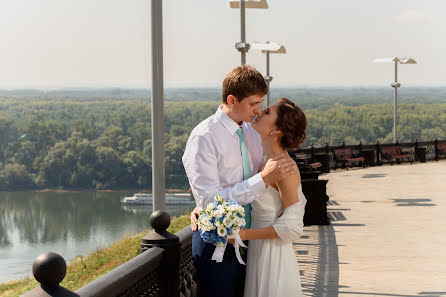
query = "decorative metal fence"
{"x": 163, "y": 268}
{"x": 419, "y": 151}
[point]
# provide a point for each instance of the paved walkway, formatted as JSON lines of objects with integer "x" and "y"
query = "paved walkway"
{"x": 387, "y": 237}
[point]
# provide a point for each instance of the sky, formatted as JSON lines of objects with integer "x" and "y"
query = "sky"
{"x": 107, "y": 43}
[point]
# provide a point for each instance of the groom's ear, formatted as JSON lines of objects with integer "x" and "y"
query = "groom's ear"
{"x": 231, "y": 99}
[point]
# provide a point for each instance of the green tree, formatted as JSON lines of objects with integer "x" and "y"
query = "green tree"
{"x": 8, "y": 133}
{"x": 108, "y": 168}
{"x": 58, "y": 166}
{"x": 15, "y": 176}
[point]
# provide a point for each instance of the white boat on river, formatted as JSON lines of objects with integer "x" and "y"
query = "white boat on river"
{"x": 145, "y": 198}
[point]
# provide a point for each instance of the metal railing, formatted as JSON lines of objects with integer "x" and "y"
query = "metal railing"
{"x": 164, "y": 267}
{"x": 419, "y": 151}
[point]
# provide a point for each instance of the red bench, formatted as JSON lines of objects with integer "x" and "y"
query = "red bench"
{"x": 345, "y": 157}
{"x": 316, "y": 165}
{"x": 394, "y": 154}
{"x": 441, "y": 147}
{"x": 302, "y": 159}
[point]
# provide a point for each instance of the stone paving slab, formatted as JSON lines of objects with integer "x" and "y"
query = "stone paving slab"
{"x": 387, "y": 237}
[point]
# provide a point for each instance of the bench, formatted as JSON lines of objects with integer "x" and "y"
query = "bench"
{"x": 307, "y": 168}
{"x": 300, "y": 156}
{"x": 394, "y": 154}
{"x": 315, "y": 165}
{"x": 302, "y": 161}
{"x": 324, "y": 159}
{"x": 345, "y": 157}
{"x": 441, "y": 147}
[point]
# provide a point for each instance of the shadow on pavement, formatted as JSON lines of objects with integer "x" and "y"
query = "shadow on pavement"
{"x": 327, "y": 282}
{"x": 317, "y": 254}
{"x": 413, "y": 202}
{"x": 373, "y": 175}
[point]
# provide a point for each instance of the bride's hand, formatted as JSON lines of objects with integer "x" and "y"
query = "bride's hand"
{"x": 241, "y": 233}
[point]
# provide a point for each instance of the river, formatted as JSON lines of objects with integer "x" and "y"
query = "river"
{"x": 68, "y": 223}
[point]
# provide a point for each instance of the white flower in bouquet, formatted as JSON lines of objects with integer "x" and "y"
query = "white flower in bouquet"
{"x": 219, "y": 212}
{"x": 222, "y": 231}
{"x": 210, "y": 207}
{"x": 232, "y": 208}
{"x": 227, "y": 222}
{"x": 239, "y": 222}
{"x": 218, "y": 224}
{"x": 205, "y": 224}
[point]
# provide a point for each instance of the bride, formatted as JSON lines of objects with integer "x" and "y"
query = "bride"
{"x": 277, "y": 215}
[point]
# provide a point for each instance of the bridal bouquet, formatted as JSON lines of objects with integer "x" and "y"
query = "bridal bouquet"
{"x": 220, "y": 221}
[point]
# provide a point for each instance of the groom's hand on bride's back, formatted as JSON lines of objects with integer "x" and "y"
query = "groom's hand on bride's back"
{"x": 194, "y": 219}
{"x": 277, "y": 169}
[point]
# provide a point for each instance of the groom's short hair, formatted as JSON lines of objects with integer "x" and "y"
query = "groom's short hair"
{"x": 243, "y": 81}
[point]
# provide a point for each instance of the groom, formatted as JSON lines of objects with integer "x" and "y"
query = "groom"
{"x": 223, "y": 156}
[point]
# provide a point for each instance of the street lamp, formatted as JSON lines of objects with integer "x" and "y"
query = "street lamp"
{"x": 242, "y": 46}
{"x": 396, "y": 84}
{"x": 268, "y": 48}
{"x": 158, "y": 154}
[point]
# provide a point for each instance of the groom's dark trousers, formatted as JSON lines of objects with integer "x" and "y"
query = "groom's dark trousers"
{"x": 224, "y": 279}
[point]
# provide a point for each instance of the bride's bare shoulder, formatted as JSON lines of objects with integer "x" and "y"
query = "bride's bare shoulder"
{"x": 291, "y": 182}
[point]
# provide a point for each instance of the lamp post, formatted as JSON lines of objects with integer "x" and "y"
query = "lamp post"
{"x": 268, "y": 48}
{"x": 395, "y": 85}
{"x": 158, "y": 167}
{"x": 242, "y": 46}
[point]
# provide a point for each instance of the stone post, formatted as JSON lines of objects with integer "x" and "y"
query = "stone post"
{"x": 312, "y": 153}
{"x": 170, "y": 268}
{"x": 437, "y": 155}
{"x": 49, "y": 270}
{"x": 378, "y": 154}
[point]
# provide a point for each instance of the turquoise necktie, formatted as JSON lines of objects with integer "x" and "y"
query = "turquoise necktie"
{"x": 247, "y": 173}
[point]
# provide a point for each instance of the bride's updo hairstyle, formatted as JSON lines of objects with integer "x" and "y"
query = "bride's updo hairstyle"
{"x": 292, "y": 121}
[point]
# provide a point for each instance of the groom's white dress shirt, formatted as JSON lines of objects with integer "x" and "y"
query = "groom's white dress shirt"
{"x": 213, "y": 161}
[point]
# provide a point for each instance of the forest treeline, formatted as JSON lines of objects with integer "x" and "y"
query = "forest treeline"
{"x": 106, "y": 144}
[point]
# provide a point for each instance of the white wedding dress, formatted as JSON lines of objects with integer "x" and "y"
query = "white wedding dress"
{"x": 272, "y": 269}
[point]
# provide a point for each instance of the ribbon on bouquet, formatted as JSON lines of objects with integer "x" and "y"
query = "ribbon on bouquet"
{"x": 238, "y": 243}
{"x": 218, "y": 253}
{"x": 220, "y": 250}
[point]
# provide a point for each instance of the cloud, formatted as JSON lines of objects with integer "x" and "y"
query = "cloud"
{"x": 411, "y": 17}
